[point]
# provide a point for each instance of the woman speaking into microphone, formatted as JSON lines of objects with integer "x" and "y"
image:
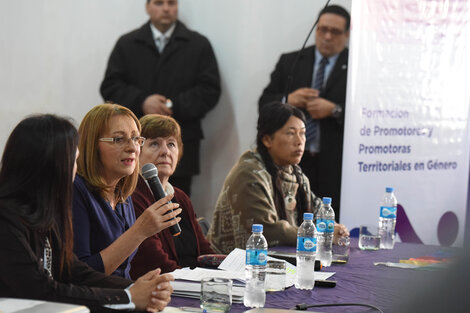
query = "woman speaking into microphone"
{"x": 106, "y": 231}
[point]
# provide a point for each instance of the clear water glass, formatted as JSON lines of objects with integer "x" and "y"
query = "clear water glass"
{"x": 216, "y": 294}
{"x": 275, "y": 275}
{"x": 369, "y": 238}
{"x": 341, "y": 250}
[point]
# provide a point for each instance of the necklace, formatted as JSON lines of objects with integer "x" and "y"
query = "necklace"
{"x": 48, "y": 258}
{"x": 289, "y": 187}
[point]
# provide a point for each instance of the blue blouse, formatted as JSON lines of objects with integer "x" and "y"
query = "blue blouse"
{"x": 96, "y": 225}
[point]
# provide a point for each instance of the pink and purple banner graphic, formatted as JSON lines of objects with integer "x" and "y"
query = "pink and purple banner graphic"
{"x": 407, "y": 117}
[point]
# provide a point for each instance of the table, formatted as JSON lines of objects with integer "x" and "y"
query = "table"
{"x": 25, "y": 305}
{"x": 358, "y": 281}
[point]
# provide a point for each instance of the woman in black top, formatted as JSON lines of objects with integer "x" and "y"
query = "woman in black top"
{"x": 36, "y": 241}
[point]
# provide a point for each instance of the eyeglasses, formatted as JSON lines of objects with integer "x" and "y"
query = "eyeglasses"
{"x": 333, "y": 31}
{"x": 122, "y": 141}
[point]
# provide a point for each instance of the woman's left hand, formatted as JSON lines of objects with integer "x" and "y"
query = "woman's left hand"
{"x": 152, "y": 291}
{"x": 340, "y": 231}
{"x": 162, "y": 295}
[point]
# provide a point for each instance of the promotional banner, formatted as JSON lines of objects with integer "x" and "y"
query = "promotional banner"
{"x": 407, "y": 117}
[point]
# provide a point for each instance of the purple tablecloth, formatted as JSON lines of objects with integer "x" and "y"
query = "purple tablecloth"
{"x": 358, "y": 281}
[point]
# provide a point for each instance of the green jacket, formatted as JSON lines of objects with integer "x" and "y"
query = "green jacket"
{"x": 246, "y": 198}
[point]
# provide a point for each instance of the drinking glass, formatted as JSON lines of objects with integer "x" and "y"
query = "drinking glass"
{"x": 275, "y": 275}
{"x": 369, "y": 238}
{"x": 341, "y": 250}
{"x": 216, "y": 294}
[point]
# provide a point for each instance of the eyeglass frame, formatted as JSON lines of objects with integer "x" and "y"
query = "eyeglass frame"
{"x": 335, "y": 32}
{"x": 134, "y": 139}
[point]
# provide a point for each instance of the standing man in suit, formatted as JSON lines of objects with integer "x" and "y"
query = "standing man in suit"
{"x": 319, "y": 88}
{"x": 165, "y": 68}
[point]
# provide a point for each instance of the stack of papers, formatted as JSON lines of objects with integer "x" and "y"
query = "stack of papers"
{"x": 188, "y": 281}
{"x": 191, "y": 289}
{"x": 235, "y": 262}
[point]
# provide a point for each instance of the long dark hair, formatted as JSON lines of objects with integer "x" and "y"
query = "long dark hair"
{"x": 36, "y": 177}
{"x": 272, "y": 117}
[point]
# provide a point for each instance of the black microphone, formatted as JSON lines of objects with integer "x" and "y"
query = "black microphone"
{"x": 294, "y": 63}
{"x": 150, "y": 173}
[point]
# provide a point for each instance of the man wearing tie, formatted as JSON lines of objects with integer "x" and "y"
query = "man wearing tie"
{"x": 165, "y": 68}
{"x": 318, "y": 87}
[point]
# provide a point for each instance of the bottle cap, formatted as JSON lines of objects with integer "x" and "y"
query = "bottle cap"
{"x": 326, "y": 200}
{"x": 257, "y": 228}
{"x": 308, "y": 216}
{"x": 389, "y": 189}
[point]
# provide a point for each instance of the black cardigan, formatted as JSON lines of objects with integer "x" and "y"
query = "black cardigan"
{"x": 22, "y": 274}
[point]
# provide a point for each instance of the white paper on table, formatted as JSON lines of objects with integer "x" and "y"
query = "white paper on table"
{"x": 12, "y": 305}
{"x": 233, "y": 267}
{"x": 198, "y": 273}
{"x": 235, "y": 262}
{"x": 413, "y": 266}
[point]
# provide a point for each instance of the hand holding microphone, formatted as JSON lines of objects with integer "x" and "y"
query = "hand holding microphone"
{"x": 150, "y": 173}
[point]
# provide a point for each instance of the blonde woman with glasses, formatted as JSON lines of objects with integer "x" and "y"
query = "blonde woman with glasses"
{"x": 106, "y": 231}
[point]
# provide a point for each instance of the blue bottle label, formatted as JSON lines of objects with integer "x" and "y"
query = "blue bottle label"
{"x": 388, "y": 212}
{"x": 256, "y": 257}
{"x": 308, "y": 244}
{"x": 325, "y": 226}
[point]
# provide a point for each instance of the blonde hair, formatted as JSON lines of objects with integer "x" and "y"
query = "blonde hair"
{"x": 156, "y": 125}
{"x": 89, "y": 165}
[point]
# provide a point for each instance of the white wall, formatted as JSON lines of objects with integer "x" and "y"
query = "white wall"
{"x": 54, "y": 53}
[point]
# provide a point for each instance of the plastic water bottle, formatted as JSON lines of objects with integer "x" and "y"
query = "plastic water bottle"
{"x": 387, "y": 219}
{"x": 325, "y": 229}
{"x": 255, "y": 269}
{"x": 306, "y": 253}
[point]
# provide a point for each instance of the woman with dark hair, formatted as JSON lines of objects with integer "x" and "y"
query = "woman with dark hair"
{"x": 36, "y": 238}
{"x": 267, "y": 186}
{"x": 163, "y": 147}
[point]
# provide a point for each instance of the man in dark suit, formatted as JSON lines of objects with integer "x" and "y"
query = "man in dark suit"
{"x": 319, "y": 88}
{"x": 165, "y": 68}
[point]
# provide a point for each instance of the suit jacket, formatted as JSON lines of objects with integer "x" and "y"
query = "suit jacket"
{"x": 186, "y": 72}
{"x": 158, "y": 251}
{"x": 331, "y": 129}
{"x": 22, "y": 274}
